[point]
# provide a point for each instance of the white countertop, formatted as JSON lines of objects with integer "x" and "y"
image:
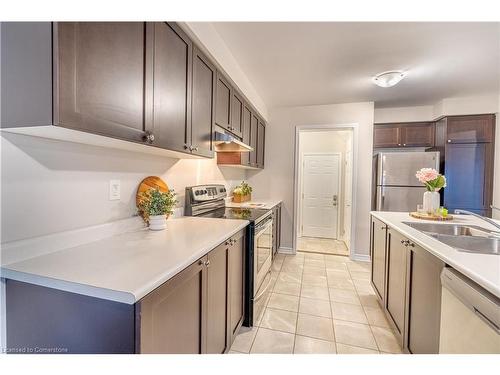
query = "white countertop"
{"x": 265, "y": 204}
{"x": 126, "y": 267}
{"x": 484, "y": 269}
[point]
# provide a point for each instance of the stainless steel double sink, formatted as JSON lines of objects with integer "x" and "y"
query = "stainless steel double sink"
{"x": 469, "y": 238}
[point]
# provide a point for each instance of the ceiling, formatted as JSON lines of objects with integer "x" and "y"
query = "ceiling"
{"x": 305, "y": 63}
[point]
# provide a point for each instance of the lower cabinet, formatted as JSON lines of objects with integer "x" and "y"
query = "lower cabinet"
{"x": 395, "y": 302}
{"x": 172, "y": 318}
{"x": 423, "y": 291}
{"x": 199, "y": 310}
{"x": 406, "y": 278}
{"x": 378, "y": 256}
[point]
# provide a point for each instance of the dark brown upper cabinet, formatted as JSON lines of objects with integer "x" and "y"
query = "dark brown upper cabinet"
{"x": 417, "y": 134}
{"x": 386, "y": 136}
{"x": 223, "y": 102}
{"x": 203, "y": 104}
{"x": 247, "y": 120}
{"x": 470, "y": 129}
{"x": 236, "y": 114}
{"x": 261, "y": 143}
{"x": 254, "y": 124}
{"x": 101, "y": 76}
{"x": 172, "y": 87}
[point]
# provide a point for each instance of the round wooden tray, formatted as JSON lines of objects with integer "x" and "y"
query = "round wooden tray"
{"x": 151, "y": 182}
{"x": 424, "y": 216}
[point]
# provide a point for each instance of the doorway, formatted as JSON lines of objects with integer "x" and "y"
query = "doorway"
{"x": 324, "y": 190}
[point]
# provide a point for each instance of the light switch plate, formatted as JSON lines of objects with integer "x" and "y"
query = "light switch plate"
{"x": 114, "y": 190}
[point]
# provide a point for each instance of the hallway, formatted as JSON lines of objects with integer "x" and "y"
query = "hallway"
{"x": 320, "y": 304}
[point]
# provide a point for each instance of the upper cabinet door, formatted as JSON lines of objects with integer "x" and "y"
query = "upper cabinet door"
{"x": 247, "y": 119}
{"x": 223, "y": 103}
{"x": 386, "y": 136}
{"x": 236, "y": 114}
{"x": 261, "y": 144}
{"x": 101, "y": 75}
{"x": 254, "y": 124}
{"x": 470, "y": 129}
{"x": 203, "y": 104}
{"x": 419, "y": 134}
{"x": 172, "y": 87}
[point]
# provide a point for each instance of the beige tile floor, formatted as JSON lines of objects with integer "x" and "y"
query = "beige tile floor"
{"x": 322, "y": 245}
{"x": 319, "y": 304}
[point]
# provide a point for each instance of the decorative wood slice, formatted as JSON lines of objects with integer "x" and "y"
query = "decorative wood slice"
{"x": 151, "y": 182}
{"x": 425, "y": 216}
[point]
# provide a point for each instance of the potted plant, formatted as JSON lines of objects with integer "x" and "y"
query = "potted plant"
{"x": 242, "y": 192}
{"x": 156, "y": 206}
{"x": 433, "y": 181}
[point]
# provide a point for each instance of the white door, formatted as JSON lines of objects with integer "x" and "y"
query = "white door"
{"x": 320, "y": 198}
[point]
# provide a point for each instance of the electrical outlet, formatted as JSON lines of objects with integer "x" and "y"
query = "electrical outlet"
{"x": 114, "y": 190}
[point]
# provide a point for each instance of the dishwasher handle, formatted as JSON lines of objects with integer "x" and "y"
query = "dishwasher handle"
{"x": 484, "y": 304}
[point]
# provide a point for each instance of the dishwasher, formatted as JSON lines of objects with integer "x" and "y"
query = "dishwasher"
{"x": 470, "y": 317}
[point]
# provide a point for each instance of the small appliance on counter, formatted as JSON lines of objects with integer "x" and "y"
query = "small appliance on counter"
{"x": 396, "y": 187}
{"x": 209, "y": 201}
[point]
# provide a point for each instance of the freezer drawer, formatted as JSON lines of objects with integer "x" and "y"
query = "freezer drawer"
{"x": 400, "y": 199}
{"x": 399, "y": 168}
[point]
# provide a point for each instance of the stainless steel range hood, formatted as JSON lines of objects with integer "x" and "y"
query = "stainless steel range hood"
{"x": 225, "y": 142}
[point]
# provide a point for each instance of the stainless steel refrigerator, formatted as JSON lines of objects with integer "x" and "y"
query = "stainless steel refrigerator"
{"x": 397, "y": 188}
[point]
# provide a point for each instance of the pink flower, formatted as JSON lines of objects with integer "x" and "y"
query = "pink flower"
{"x": 426, "y": 174}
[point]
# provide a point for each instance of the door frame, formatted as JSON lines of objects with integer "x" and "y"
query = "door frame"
{"x": 325, "y": 127}
{"x": 300, "y": 208}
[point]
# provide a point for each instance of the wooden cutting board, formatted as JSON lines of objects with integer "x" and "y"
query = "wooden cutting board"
{"x": 151, "y": 182}
{"x": 425, "y": 216}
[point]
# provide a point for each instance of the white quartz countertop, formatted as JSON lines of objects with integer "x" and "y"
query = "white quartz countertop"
{"x": 484, "y": 269}
{"x": 126, "y": 267}
{"x": 266, "y": 204}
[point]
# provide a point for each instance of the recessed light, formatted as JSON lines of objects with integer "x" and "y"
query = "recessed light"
{"x": 388, "y": 79}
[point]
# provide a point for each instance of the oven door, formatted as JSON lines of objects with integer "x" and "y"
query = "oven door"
{"x": 263, "y": 243}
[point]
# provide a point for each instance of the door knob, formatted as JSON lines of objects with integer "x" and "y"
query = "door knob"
{"x": 335, "y": 200}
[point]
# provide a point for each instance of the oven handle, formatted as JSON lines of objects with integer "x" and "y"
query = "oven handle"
{"x": 258, "y": 297}
{"x": 263, "y": 226}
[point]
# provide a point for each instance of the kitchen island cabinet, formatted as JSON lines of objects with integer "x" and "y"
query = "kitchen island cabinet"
{"x": 198, "y": 309}
{"x": 411, "y": 273}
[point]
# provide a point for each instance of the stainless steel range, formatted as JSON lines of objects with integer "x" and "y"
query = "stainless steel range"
{"x": 209, "y": 201}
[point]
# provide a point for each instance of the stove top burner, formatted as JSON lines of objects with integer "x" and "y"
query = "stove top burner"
{"x": 251, "y": 214}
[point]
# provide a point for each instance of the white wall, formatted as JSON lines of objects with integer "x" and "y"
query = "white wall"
{"x": 277, "y": 179}
{"x": 213, "y": 44}
{"x": 404, "y": 114}
{"x": 50, "y": 186}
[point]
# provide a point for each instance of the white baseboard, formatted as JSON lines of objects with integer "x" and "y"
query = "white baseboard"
{"x": 360, "y": 257}
{"x": 285, "y": 250}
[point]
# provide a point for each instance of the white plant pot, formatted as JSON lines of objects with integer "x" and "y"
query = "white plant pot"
{"x": 431, "y": 201}
{"x": 157, "y": 222}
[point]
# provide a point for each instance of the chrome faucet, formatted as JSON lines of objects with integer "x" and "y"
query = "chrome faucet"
{"x": 488, "y": 220}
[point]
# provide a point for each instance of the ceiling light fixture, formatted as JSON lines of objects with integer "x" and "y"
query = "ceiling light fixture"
{"x": 388, "y": 79}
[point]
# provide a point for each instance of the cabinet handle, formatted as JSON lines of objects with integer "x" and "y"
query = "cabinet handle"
{"x": 399, "y": 144}
{"x": 227, "y": 243}
{"x": 207, "y": 263}
{"x": 195, "y": 148}
{"x": 449, "y": 140}
{"x": 201, "y": 263}
{"x": 411, "y": 244}
{"x": 404, "y": 144}
{"x": 383, "y": 228}
{"x": 149, "y": 137}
